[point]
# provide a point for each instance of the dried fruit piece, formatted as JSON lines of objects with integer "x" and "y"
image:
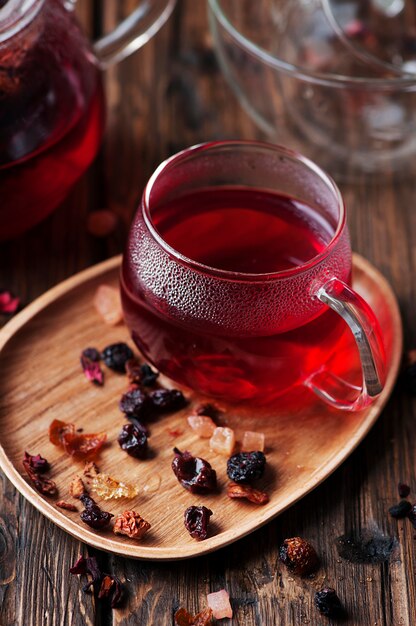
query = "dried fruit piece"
{"x": 133, "y": 441}
{"x": 202, "y": 425}
{"x": 79, "y": 446}
{"x": 247, "y": 492}
{"x": 141, "y": 373}
{"x": 92, "y": 354}
{"x": 92, "y": 370}
{"x": 77, "y": 488}
{"x": 167, "y": 399}
{"x": 107, "y": 487}
{"x": 93, "y": 515}
{"x": 219, "y": 602}
{"x": 66, "y": 505}
{"x": 252, "y": 441}
{"x": 58, "y": 429}
{"x": 135, "y": 403}
{"x": 108, "y": 305}
{"x": 328, "y": 603}
{"x": 197, "y": 521}
{"x": 101, "y": 223}
{"x": 222, "y": 440}
{"x": 116, "y": 355}
{"x": 183, "y": 618}
{"x": 8, "y": 302}
{"x": 90, "y": 469}
{"x": 194, "y": 473}
{"x": 246, "y": 466}
{"x": 404, "y": 490}
{"x": 299, "y": 556}
{"x": 412, "y": 515}
{"x": 131, "y": 524}
{"x": 44, "y": 485}
{"x": 112, "y": 590}
{"x": 400, "y": 510}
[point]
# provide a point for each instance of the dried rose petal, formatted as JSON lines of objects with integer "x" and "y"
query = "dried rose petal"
{"x": 37, "y": 462}
{"x": 44, "y": 485}
{"x": 252, "y": 441}
{"x": 222, "y": 440}
{"x": 111, "y": 587}
{"x": 101, "y": 223}
{"x": 108, "y": 305}
{"x": 219, "y": 602}
{"x": 8, "y": 303}
{"x": 92, "y": 370}
{"x": 66, "y": 505}
{"x": 202, "y": 425}
{"x": 131, "y": 524}
{"x": 102, "y": 587}
{"x": 183, "y": 618}
{"x": 245, "y": 491}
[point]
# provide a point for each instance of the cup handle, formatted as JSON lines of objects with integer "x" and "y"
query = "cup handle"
{"x": 133, "y": 32}
{"x": 364, "y": 326}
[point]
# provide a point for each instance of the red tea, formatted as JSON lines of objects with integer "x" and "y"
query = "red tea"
{"x": 51, "y": 116}
{"x": 236, "y": 230}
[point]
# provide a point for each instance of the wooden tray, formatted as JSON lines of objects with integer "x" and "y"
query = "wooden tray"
{"x": 41, "y": 380}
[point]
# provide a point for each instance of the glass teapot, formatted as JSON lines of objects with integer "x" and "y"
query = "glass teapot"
{"x": 52, "y": 102}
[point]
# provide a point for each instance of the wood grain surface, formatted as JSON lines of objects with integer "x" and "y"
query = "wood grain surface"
{"x": 167, "y": 96}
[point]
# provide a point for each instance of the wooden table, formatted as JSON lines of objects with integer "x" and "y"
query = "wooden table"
{"x": 167, "y": 96}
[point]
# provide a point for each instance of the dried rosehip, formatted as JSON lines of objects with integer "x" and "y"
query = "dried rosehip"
{"x": 135, "y": 403}
{"x": 183, "y": 618}
{"x": 403, "y": 490}
{"x": 58, "y": 429}
{"x": 194, "y": 473}
{"x": 79, "y": 446}
{"x": 37, "y": 462}
{"x": 250, "y": 494}
{"x": 246, "y": 466}
{"x": 133, "y": 441}
{"x": 328, "y": 603}
{"x": 299, "y": 556}
{"x": 92, "y": 370}
{"x": 400, "y": 510}
{"x": 116, "y": 355}
{"x": 131, "y": 524}
{"x": 197, "y": 520}
{"x": 8, "y": 302}
{"x": 93, "y": 515}
{"x": 167, "y": 399}
{"x": 77, "y": 488}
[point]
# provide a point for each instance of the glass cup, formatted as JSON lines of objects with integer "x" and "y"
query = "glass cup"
{"x": 236, "y": 279}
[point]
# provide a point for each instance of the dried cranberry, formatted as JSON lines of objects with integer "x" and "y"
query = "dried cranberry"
{"x": 148, "y": 377}
{"x": 93, "y": 515}
{"x": 134, "y": 403}
{"x": 167, "y": 399}
{"x": 403, "y": 489}
{"x": 194, "y": 473}
{"x": 133, "y": 441}
{"x": 328, "y": 603}
{"x": 299, "y": 556}
{"x": 401, "y": 509}
{"x": 35, "y": 466}
{"x": 116, "y": 355}
{"x": 92, "y": 354}
{"x": 197, "y": 520}
{"x": 246, "y": 466}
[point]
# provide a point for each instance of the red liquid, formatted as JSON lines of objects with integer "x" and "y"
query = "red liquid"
{"x": 238, "y": 230}
{"x": 51, "y": 117}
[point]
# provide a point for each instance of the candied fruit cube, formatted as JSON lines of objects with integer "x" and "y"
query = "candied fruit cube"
{"x": 108, "y": 305}
{"x": 219, "y": 602}
{"x": 202, "y": 425}
{"x": 222, "y": 440}
{"x": 252, "y": 441}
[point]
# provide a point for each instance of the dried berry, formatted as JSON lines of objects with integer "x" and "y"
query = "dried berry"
{"x": 77, "y": 488}
{"x": 135, "y": 403}
{"x": 92, "y": 370}
{"x": 92, "y": 354}
{"x": 183, "y": 618}
{"x": 107, "y": 487}
{"x": 194, "y": 473}
{"x": 250, "y": 494}
{"x": 167, "y": 399}
{"x": 299, "y": 556}
{"x": 79, "y": 446}
{"x": 197, "y": 521}
{"x": 246, "y": 466}
{"x": 116, "y": 355}
{"x": 103, "y": 585}
{"x": 93, "y": 515}
{"x": 131, "y": 524}
{"x": 66, "y": 505}
{"x": 44, "y": 485}
{"x": 400, "y": 510}
{"x": 8, "y": 302}
{"x": 133, "y": 441}
{"x": 141, "y": 373}
{"x": 412, "y": 515}
{"x": 90, "y": 469}
{"x": 328, "y": 603}
{"x": 403, "y": 490}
